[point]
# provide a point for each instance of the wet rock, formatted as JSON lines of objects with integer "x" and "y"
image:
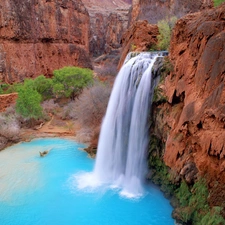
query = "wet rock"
{"x": 141, "y": 36}
{"x": 189, "y": 172}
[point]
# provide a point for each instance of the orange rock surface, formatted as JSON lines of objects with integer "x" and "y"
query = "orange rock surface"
{"x": 141, "y": 36}
{"x": 156, "y": 10}
{"x": 7, "y": 100}
{"x": 37, "y": 38}
{"x": 192, "y": 123}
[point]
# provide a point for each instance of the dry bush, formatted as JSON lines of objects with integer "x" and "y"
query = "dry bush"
{"x": 91, "y": 106}
{"x": 9, "y": 127}
{"x": 68, "y": 111}
{"x": 84, "y": 135}
{"x": 49, "y": 106}
{"x": 3, "y": 143}
{"x": 109, "y": 69}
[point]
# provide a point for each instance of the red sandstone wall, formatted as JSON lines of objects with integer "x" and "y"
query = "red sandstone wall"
{"x": 39, "y": 36}
{"x": 7, "y": 100}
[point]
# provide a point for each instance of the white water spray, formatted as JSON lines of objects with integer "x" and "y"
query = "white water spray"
{"x": 124, "y": 137}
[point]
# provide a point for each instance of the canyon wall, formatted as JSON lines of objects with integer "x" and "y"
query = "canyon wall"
{"x": 154, "y": 11}
{"x": 191, "y": 122}
{"x": 7, "y": 100}
{"x": 109, "y": 20}
{"x": 141, "y": 36}
{"x": 38, "y": 36}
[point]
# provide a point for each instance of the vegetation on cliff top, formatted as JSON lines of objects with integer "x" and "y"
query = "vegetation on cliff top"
{"x": 67, "y": 82}
{"x": 218, "y": 2}
{"x": 165, "y": 31}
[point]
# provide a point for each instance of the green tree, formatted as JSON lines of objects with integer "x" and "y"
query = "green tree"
{"x": 165, "y": 32}
{"x": 44, "y": 86}
{"x": 28, "y": 103}
{"x": 70, "y": 81}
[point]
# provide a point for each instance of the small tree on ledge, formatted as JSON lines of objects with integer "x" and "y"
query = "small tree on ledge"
{"x": 70, "y": 81}
{"x": 28, "y": 103}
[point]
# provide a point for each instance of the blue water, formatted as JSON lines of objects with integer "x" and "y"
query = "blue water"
{"x": 38, "y": 190}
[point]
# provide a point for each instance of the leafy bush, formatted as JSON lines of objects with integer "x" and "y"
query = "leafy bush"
{"x": 43, "y": 86}
{"x": 158, "y": 96}
{"x": 218, "y": 2}
{"x": 194, "y": 205}
{"x": 13, "y": 88}
{"x": 213, "y": 217}
{"x": 28, "y": 103}
{"x": 165, "y": 32}
{"x": 191, "y": 202}
{"x": 70, "y": 81}
{"x": 3, "y": 87}
{"x": 183, "y": 194}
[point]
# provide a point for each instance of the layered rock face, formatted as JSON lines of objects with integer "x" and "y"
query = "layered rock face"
{"x": 141, "y": 36}
{"x": 192, "y": 123}
{"x": 109, "y": 20}
{"x": 154, "y": 11}
{"x": 7, "y": 100}
{"x": 39, "y": 36}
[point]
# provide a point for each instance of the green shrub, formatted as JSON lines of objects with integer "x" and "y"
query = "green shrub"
{"x": 160, "y": 174}
{"x": 28, "y": 103}
{"x": 43, "y": 86}
{"x": 13, "y": 88}
{"x": 194, "y": 205}
{"x": 213, "y": 217}
{"x": 165, "y": 32}
{"x": 183, "y": 194}
{"x": 218, "y": 2}
{"x": 3, "y": 87}
{"x": 158, "y": 95}
{"x": 70, "y": 81}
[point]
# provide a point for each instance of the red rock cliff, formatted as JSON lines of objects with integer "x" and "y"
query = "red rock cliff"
{"x": 109, "y": 19}
{"x": 140, "y": 36}
{"x": 193, "y": 123}
{"x": 154, "y": 10}
{"x": 39, "y": 36}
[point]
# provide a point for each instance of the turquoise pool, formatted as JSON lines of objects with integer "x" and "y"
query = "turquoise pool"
{"x": 38, "y": 190}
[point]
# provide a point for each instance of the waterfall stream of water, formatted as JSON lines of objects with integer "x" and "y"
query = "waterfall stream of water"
{"x": 124, "y": 137}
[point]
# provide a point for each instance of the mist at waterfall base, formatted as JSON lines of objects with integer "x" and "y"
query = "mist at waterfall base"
{"x": 68, "y": 187}
{"x": 121, "y": 159}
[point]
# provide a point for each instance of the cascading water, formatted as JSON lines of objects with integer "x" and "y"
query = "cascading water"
{"x": 124, "y": 134}
{"x": 80, "y": 196}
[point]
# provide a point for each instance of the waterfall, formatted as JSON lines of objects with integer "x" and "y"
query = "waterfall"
{"x": 124, "y": 136}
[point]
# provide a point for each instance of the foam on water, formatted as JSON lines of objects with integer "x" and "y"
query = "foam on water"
{"x": 124, "y": 137}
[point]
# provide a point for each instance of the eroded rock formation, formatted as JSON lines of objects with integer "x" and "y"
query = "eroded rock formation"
{"x": 7, "y": 100}
{"x": 192, "y": 122}
{"x": 153, "y": 10}
{"x": 141, "y": 36}
{"x": 39, "y": 36}
{"x": 109, "y": 20}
